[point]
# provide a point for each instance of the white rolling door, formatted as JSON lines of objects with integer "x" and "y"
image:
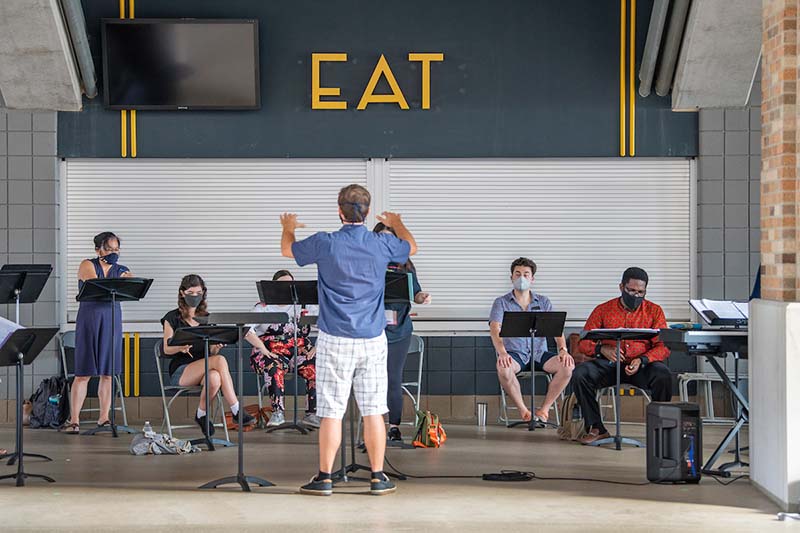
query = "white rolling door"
{"x": 583, "y": 221}
{"x": 216, "y": 218}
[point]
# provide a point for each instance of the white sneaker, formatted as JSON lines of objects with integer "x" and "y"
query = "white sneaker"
{"x": 276, "y": 419}
{"x": 312, "y": 420}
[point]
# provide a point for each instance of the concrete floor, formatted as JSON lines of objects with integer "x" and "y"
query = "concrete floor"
{"x": 100, "y": 486}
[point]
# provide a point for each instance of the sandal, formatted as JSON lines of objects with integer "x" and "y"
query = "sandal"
{"x": 70, "y": 429}
{"x": 104, "y": 424}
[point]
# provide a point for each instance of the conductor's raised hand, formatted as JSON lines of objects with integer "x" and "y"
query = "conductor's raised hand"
{"x": 389, "y": 219}
{"x": 290, "y": 223}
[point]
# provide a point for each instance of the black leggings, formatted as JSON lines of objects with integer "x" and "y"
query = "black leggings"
{"x": 395, "y": 362}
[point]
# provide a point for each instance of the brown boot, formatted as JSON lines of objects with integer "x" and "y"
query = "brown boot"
{"x": 592, "y": 435}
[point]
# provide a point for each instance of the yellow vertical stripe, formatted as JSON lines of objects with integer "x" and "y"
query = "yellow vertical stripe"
{"x": 133, "y": 133}
{"x": 622, "y": 24}
{"x": 136, "y": 353}
{"x": 123, "y": 115}
{"x": 632, "y": 113}
{"x": 126, "y": 358}
{"x": 130, "y": 9}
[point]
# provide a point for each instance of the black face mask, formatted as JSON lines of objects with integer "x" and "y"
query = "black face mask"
{"x": 193, "y": 300}
{"x": 631, "y": 301}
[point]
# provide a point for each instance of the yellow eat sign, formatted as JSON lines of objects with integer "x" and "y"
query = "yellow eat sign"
{"x": 369, "y": 97}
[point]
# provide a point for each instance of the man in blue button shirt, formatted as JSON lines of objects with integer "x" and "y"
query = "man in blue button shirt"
{"x": 351, "y": 348}
{"x": 514, "y": 354}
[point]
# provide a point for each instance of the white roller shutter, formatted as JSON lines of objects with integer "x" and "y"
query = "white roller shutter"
{"x": 583, "y": 221}
{"x": 216, "y": 218}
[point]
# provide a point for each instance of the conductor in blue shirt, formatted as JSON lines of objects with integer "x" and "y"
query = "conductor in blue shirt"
{"x": 351, "y": 348}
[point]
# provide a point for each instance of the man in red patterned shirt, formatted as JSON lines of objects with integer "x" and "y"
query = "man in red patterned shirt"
{"x": 643, "y": 360}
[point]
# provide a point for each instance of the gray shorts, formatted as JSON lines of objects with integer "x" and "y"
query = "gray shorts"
{"x": 175, "y": 379}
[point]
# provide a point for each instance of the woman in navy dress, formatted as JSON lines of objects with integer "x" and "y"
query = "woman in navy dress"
{"x": 93, "y": 333}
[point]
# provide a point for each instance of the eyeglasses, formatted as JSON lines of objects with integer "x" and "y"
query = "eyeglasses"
{"x": 186, "y": 293}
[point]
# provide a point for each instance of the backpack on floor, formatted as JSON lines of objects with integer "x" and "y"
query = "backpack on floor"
{"x": 430, "y": 433}
{"x": 50, "y": 403}
{"x": 571, "y": 427}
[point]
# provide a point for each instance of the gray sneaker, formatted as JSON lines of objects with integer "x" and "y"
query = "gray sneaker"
{"x": 276, "y": 419}
{"x": 311, "y": 420}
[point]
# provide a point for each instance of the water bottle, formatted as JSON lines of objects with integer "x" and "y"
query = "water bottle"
{"x": 148, "y": 430}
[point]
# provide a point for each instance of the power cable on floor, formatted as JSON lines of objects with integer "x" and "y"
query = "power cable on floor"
{"x": 518, "y": 475}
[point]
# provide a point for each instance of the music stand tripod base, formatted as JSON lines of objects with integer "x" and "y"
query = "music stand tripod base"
{"x": 12, "y": 457}
{"x": 289, "y": 425}
{"x": 340, "y": 475}
{"x": 613, "y": 440}
{"x": 243, "y": 481}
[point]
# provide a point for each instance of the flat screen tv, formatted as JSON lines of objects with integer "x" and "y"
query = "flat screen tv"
{"x": 180, "y": 64}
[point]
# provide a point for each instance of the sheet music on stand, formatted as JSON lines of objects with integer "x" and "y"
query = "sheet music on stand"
{"x": 7, "y": 328}
{"x": 722, "y": 313}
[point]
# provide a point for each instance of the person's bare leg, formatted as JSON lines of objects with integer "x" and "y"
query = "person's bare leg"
{"x": 510, "y": 383}
{"x": 77, "y": 396}
{"x": 561, "y": 375}
{"x": 104, "y": 395}
{"x": 194, "y": 374}
{"x": 214, "y": 382}
{"x": 375, "y": 439}
{"x": 220, "y": 364}
{"x": 330, "y": 437}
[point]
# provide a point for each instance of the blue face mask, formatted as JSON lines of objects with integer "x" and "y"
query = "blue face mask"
{"x": 522, "y": 284}
{"x": 111, "y": 259}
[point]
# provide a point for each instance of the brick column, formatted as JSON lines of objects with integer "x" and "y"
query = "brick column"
{"x": 779, "y": 143}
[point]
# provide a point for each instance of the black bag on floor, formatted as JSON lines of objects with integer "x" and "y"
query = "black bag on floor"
{"x": 50, "y": 403}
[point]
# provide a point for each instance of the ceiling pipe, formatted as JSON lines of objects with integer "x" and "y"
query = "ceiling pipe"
{"x": 672, "y": 45}
{"x": 76, "y": 25}
{"x": 658, "y": 19}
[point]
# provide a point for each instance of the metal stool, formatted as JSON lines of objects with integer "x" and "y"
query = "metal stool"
{"x": 703, "y": 380}
{"x": 505, "y": 408}
{"x": 417, "y": 346}
{"x": 66, "y": 340}
{"x": 609, "y": 393}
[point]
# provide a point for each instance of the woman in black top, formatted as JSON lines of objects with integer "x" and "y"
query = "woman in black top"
{"x": 186, "y": 367}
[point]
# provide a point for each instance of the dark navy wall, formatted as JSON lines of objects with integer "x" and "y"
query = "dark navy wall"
{"x": 454, "y": 366}
{"x": 520, "y": 78}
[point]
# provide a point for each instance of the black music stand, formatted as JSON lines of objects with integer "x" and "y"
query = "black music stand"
{"x": 399, "y": 288}
{"x": 207, "y": 335}
{"x": 340, "y": 476}
{"x": 22, "y": 284}
{"x": 113, "y": 290}
{"x": 241, "y": 320}
{"x": 296, "y": 294}
{"x": 618, "y": 335}
{"x": 20, "y": 349}
{"x": 533, "y": 324}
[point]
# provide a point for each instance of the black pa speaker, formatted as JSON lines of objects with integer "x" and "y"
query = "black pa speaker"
{"x": 674, "y": 443}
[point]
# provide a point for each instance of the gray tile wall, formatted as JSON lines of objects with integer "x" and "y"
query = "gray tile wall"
{"x": 29, "y": 224}
{"x": 728, "y": 198}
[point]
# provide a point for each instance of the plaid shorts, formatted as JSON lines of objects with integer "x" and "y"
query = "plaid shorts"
{"x": 342, "y": 363}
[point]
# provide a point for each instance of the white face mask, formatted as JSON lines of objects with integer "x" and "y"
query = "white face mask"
{"x": 522, "y": 284}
